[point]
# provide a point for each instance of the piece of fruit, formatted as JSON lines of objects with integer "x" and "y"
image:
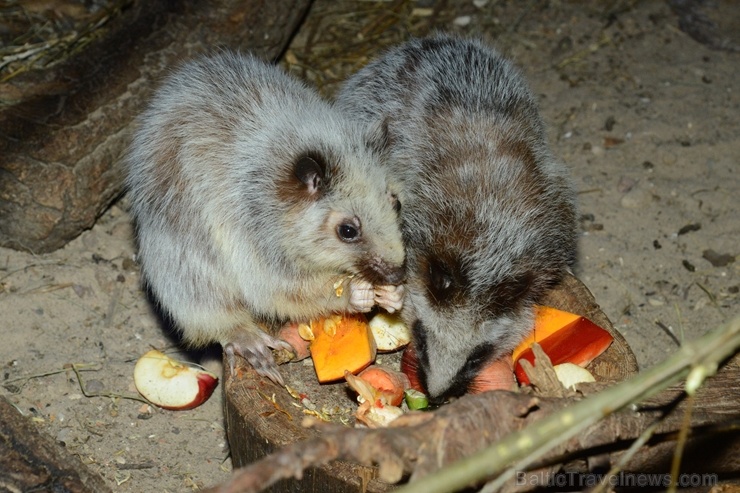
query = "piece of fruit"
{"x": 570, "y": 375}
{"x": 374, "y": 410}
{"x": 416, "y": 400}
{"x": 389, "y": 382}
{"x": 578, "y": 343}
{"x": 341, "y": 343}
{"x": 291, "y": 333}
{"x": 171, "y": 384}
{"x": 410, "y": 367}
{"x": 389, "y": 331}
{"x": 547, "y": 320}
{"x": 496, "y": 375}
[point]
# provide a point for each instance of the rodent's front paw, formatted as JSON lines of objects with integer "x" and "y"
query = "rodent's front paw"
{"x": 361, "y": 295}
{"x": 390, "y": 297}
{"x": 255, "y": 346}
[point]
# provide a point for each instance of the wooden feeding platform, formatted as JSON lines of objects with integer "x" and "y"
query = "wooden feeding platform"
{"x": 262, "y": 417}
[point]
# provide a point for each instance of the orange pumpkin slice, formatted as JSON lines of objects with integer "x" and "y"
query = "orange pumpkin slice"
{"x": 547, "y": 320}
{"x": 341, "y": 343}
{"x": 578, "y": 342}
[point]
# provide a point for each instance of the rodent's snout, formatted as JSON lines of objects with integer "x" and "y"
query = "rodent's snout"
{"x": 380, "y": 272}
{"x": 391, "y": 274}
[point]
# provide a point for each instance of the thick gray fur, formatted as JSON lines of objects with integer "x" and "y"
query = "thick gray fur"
{"x": 240, "y": 178}
{"x": 488, "y": 213}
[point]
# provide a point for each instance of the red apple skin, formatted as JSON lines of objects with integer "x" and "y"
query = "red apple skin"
{"x": 578, "y": 343}
{"x": 170, "y": 384}
{"x": 410, "y": 366}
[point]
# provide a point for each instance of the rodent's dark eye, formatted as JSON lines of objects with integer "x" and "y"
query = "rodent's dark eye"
{"x": 349, "y": 231}
{"x": 477, "y": 359}
{"x": 440, "y": 281}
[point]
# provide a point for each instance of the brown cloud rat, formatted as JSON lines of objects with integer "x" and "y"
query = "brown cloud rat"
{"x": 488, "y": 213}
{"x": 254, "y": 202}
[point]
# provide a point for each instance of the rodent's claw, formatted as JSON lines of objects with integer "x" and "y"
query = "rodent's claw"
{"x": 256, "y": 348}
{"x": 390, "y": 297}
{"x": 361, "y": 295}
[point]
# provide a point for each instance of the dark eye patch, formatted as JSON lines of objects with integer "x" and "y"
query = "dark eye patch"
{"x": 509, "y": 295}
{"x": 420, "y": 342}
{"x": 445, "y": 281}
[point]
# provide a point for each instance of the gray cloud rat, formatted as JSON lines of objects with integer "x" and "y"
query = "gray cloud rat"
{"x": 254, "y": 200}
{"x": 488, "y": 213}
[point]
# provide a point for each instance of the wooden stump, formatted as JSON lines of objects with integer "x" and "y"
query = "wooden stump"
{"x": 64, "y": 130}
{"x": 262, "y": 417}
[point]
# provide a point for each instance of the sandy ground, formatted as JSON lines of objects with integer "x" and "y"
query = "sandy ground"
{"x": 645, "y": 116}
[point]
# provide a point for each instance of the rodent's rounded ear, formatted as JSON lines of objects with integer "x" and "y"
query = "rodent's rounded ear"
{"x": 309, "y": 172}
{"x": 395, "y": 203}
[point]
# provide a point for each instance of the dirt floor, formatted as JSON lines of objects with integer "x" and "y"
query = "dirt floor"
{"x": 645, "y": 115}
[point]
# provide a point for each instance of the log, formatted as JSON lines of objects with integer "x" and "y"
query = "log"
{"x": 32, "y": 461}
{"x": 261, "y": 417}
{"x": 64, "y": 130}
{"x": 712, "y": 452}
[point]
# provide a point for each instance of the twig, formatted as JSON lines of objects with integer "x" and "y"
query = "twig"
{"x": 75, "y": 368}
{"x": 627, "y": 456}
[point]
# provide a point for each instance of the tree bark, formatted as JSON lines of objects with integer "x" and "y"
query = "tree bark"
{"x": 65, "y": 130}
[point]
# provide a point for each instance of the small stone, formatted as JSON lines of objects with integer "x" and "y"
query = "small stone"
{"x": 637, "y": 198}
{"x": 626, "y": 184}
{"x": 94, "y": 386}
{"x": 462, "y": 21}
{"x": 688, "y": 265}
{"x": 609, "y": 123}
{"x": 717, "y": 259}
{"x": 129, "y": 264}
{"x": 610, "y": 142}
{"x": 689, "y": 228}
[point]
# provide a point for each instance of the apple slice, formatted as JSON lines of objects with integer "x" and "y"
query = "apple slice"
{"x": 389, "y": 331}
{"x": 578, "y": 343}
{"x": 171, "y": 384}
{"x": 570, "y": 375}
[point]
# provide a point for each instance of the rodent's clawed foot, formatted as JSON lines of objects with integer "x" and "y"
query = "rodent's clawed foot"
{"x": 361, "y": 295}
{"x": 256, "y": 347}
{"x": 390, "y": 297}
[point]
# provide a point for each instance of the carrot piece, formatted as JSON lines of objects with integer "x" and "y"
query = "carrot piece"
{"x": 547, "y": 320}
{"x": 388, "y": 382}
{"x": 341, "y": 343}
{"x": 578, "y": 343}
